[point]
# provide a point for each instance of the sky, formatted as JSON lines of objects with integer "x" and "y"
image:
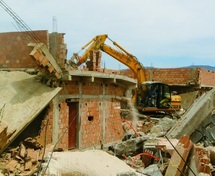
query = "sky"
{"x": 160, "y": 33}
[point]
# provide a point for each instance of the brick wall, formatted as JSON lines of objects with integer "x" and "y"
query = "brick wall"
{"x": 92, "y": 131}
{"x": 98, "y": 121}
{"x": 207, "y": 77}
{"x": 92, "y": 88}
{"x": 178, "y": 76}
{"x": 114, "y": 130}
{"x": 46, "y": 130}
{"x": 175, "y": 76}
{"x": 63, "y": 125}
{"x": 94, "y": 64}
{"x": 127, "y": 72}
{"x": 70, "y": 87}
{"x": 14, "y": 52}
{"x": 111, "y": 89}
{"x": 58, "y": 48}
{"x": 91, "y": 123}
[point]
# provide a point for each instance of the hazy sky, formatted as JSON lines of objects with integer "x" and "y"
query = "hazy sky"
{"x": 160, "y": 33}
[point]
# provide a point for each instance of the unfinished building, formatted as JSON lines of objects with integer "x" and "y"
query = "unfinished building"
{"x": 81, "y": 109}
{"x": 88, "y": 103}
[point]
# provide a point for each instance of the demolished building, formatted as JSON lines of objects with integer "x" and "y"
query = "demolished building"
{"x": 82, "y": 109}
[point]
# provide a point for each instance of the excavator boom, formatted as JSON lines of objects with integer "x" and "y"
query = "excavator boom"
{"x": 123, "y": 56}
{"x": 96, "y": 43}
{"x": 129, "y": 60}
{"x": 143, "y": 98}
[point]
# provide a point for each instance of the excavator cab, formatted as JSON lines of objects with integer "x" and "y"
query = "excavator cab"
{"x": 154, "y": 95}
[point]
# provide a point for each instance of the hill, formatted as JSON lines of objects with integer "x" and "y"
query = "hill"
{"x": 207, "y": 67}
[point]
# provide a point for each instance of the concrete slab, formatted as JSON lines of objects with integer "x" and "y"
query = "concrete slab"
{"x": 22, "y": 98}
{"x": 93, "y": 76}
{"x": 194, "y": 116}
{"x": 188, "y": 99}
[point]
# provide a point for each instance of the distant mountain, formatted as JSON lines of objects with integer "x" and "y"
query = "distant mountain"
{"x": 207, "y": 67}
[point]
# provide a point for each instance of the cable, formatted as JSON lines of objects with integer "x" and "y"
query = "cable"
{"x": 143, "y": 154}
{"x": 20, "y": 22}
{"x": 131, "y": 126}
{"x": 180, "y": 155}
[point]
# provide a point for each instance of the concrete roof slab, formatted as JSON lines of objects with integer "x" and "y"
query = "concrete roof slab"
{"x": 22, "y": 98}
{"x": 98, "y": 76}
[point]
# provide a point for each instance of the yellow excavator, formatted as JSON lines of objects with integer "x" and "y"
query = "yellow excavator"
{"x": 149, "y": 96}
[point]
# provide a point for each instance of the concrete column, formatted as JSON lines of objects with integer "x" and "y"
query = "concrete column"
{"x": 104, "y": 112}
{"x": 56, "y": 113}
{"x": 80, "y": 84}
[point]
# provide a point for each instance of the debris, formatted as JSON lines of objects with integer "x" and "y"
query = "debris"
{"x": 152, "y": 170}
{"x": 22, "y": 159}
{"x": 32, "y": 143}
{"x": 167, "y": 146}
{"x": 200, "y": 161}
{"x": 194, "y": 117}
{"x": 179, "y": 157}
{"x": 22, "y": 151}
{"x": 4, "y": 134}
{"x": 129, "y": 147}
{"x": 205, "y": 132}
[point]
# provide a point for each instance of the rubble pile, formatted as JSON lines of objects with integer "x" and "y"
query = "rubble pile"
{"x": 23, "y": 159}
{"x": 149, "y": 151}
{"x": 148, "y": 148}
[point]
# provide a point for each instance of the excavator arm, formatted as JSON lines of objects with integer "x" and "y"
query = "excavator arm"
{"x": 127, "y": 59}
{"x": 163, "y": 101}
{"x": 94, "y": 44}
{"x": 98, "y": 43}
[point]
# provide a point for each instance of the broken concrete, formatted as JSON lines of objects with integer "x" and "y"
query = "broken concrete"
{"x": 152, "y": 170}
{"x": 194, "y": 116}
{"x": 178, "y": 160}
{"x": 22, "y": 98}
{"x": 24, "y": 105}
{"x": 200, "y": 161}
{"x": 129, "y": 147}
{"x": 188, "y": 99}
{"x": 25, "y": 159}
{"x": 205, "y": 132}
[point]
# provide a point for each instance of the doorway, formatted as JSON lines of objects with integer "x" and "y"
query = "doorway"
{"x": 72, "y": 132}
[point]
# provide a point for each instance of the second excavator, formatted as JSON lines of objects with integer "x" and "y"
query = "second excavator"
{"x": 149, "y": 96}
